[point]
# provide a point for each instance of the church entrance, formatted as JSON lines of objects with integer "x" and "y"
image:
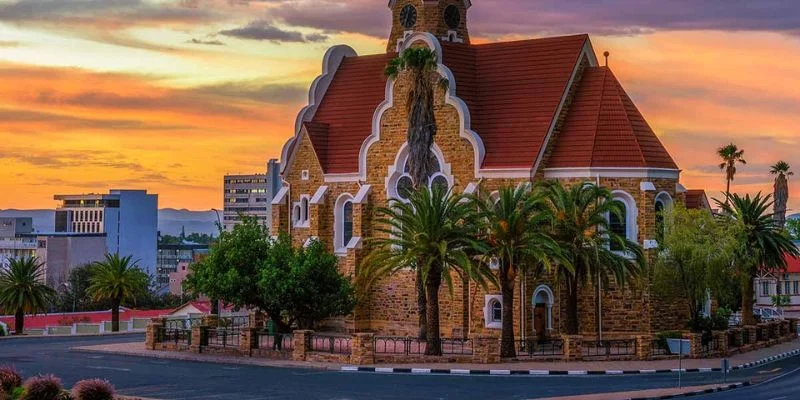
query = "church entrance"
{"x": 542, "y": 303}
{"x": 539, "y": 320}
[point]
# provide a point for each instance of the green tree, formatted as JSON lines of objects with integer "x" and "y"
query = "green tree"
{"x": 22, "y": 290}
{"x": 781, "y": 191}
{"x": 304, "y": 284}
{"x": 581, "y": 227}
{"x": 433, "y": 234}
{"x": 793, "y": 227}
{"x": 231, "y": 270}
{"x": 116, "y": 279}
{"x": 421, "y": 64}
{"x": 697, "y": 249}
{"x": 514, "y": 227}
{"x": 763, "y": 246}
{"x": 730, "y": 155}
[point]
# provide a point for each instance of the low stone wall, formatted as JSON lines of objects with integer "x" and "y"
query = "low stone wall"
{"x": 360, "y": 348}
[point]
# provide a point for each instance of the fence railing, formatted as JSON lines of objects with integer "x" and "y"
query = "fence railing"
{"x": 399, "y": 345}
{"x": 746, "y": 336}
{"x": 222, "y": 337}
{"x": 733, "y": 340}
{"x": 760, "y": 334}
{"x": 329, "y": 343}
{"x": 709, "y": 344}
{"x": 539, "y": 348}
{"x": 659, "y": 348}
{"x": 275, "y": 341}
{"x": 609, "y": 348}
{"x": 234, "y": 323}
{"x": 172, "y": 335}
{"x": 183, "y": 323}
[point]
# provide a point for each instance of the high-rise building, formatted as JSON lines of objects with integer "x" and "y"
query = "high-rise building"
{"x": 128, "y": 218}
{"x": 251, "y": 196}
{"x": 171, "y": 256}
{"x": 12, "y": 244}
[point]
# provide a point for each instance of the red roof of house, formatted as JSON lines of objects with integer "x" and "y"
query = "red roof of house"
{"x": 696, "y": 199}
{"x": 605, "y": 129}
{"x": 55, "y": 319}
{"x": 512, "y": 91}
{"x": 793, "y": 265}
{"x": 204, "y": 306}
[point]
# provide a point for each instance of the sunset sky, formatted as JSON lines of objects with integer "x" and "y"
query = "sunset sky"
{"x": 170, "y": 95}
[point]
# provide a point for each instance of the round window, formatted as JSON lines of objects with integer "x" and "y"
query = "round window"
{"x": 405, "y": 187}
{"x": 440, "y": 182}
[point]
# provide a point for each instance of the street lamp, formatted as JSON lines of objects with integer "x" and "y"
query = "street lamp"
{"x": 219, "y": 220}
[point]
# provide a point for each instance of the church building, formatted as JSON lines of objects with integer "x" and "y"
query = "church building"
{"x": 513, "y": 112}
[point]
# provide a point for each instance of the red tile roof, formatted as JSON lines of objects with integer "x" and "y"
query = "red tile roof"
{"x": 697, "y": 199}
{"x": 793, "y": 265}
{"x": 605, "y": 129}
{"x": 512, "y": 91}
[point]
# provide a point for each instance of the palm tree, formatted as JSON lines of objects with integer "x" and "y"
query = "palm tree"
{"x": 582, "y": 229}
{"x": 514, "y": 228}
{"x": 421, "y": 64}
{"x": 23, "y": 290}
{"x": 730, "y": 155}
{"x": 432, "y": 234}
{"x": 116, "y": 279}
{"x": 764, "y": 245}
{"x": 781, "y": 171}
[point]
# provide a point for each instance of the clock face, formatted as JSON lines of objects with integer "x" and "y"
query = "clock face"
{"x": 452, "y": 16}
{"x": 408, "y": 16}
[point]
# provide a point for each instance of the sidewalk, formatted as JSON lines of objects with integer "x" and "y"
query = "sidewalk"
{"x": 666, "y": 393}
{"x": 532, "y": 368}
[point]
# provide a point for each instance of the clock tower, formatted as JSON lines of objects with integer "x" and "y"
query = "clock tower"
{"x": 445, "y": 19}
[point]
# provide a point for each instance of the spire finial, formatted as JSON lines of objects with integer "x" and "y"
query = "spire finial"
{"x": 606, "y": 54}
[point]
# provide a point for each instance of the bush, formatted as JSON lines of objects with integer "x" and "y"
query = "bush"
{"x": 662, "y": 337}
{"x": 42, "y": 387}
{"x": 3, "y": 330}
{"x": 9, "y": 379}
{"x": 93, "y": 389}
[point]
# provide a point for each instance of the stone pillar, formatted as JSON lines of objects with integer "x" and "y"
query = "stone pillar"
{"x": 256, "y": 320}
{"x": 695, "y": 345}
{"x": 485, "y": 350}
{"x": 153, "y": 329}
{"x": 573, "y": 348}
{"x": 280, "y": 218}
{"x": 363, "y": 349}
{"x": 248, "y": 341}
{"x": 299, "y": 340}
{"x": 199, "y": 338}
{"x": 644, "y": 347}
{"x": 722, "y": 338}
{"x": 751, "y": 332}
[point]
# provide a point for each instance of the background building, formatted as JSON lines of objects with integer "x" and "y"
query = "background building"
{"x": 127, "y": 218}
{"x": 250, "y": 195}
{"x": 171, "y": 257}
{"x": 62, "y": 252}
{"x": 12, "y": 244}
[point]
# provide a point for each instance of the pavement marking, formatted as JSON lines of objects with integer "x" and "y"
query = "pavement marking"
{"x": 577, "y": 373}
{"x": 459, "y": 371}
{"x": 538, "y": 372}
{"x": 349, "y": 369}
{"x": 614, "y": 372}
{"x": 96, "y": 357}
{"x": 110, "y": 368}
{"x": 384, "y": 369}
{"x": 420, "y": 370}
{"x": 499, "y": 372}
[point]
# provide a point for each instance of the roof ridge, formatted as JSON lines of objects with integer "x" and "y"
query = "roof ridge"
{"x": 518, "y": 41}
{"x": 620, "y": 93}
{"x": 597, "y": 116}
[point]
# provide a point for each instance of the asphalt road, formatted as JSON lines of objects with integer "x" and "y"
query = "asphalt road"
{"x": 784, "y": 387}
{"x": 170, "y": 379}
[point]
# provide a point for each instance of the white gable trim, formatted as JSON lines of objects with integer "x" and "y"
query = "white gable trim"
{"x": 588, "y": 53}
{"x": 330, "y": 64}
{"x": 281, "y": 197}
{"x": 319, "y": 196}
{"x": 612, "y": 172}
{"x": 361, "y": 196}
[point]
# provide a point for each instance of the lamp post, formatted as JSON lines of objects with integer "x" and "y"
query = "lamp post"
{"x": 219, "y": 220}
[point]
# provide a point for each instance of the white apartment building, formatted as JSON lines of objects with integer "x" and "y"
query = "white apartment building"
{"x": 12, "y": 244}
{"x": 251, "y": 196}
{"x": 127, "y": 218}
{"x": 786, "y": 283}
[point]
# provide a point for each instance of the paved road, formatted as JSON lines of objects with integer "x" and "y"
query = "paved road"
{"x": 169, "y": 379}
{"x": 786, "y": 387}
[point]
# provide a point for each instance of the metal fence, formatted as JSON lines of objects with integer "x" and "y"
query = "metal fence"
{"x": 222, "y": 337}
{"x": 760, "y": 334}
{"x": 276, "y": 341}
{"x": 234, "y": 323}
{"x": 733, "y": 340}
{"x": 609, "y": 348}
{"x": 456, "y": 346}
{"x": 540, "y": 348}
{"x": 172, "y": 335}
{"x": 399, "y": 345}
{"x": 329, "y": 343}
{"x": 746, "y": 336}
{"x": 659, "y": 348}
{"x": 709, "y": 344}
{"x": 183, "y": 323}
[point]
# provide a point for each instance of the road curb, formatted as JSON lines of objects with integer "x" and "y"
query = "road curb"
{"x": 696, "y": 392}
{"x": 417, "y": 371}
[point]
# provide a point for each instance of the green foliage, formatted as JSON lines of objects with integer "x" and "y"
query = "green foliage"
{"x": 9, "y": 379}
{"x": 763, "y": 245}
{"x": 781, "y": 300}
{"x": 793, "y": 228}
{"x": 582, "y": 230}
{"x": 730, "y": 155}
{"x": 117, "y": 279}
{"x": 22, "y": 289}
{"x": 305, "y": 284}
{"x": 697, "y": 254}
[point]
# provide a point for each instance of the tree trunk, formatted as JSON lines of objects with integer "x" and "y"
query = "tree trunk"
{"x": 19, "y": 322}
{"x": 422, "y": 305}
{"x": 572, "y": 306}
{"x": 728, "y": 190}
{"x": 507, "y": 348}
{"x": 748, "y": 294}
{"x": 115, "y": 316}
{"x": 433, "y": 339}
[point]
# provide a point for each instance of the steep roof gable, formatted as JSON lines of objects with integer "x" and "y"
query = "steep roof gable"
{"x": 605, "y": 129}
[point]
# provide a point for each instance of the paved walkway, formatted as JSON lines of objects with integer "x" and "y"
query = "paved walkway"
{"x": 137, "y": 349}
{"x": 647, "y": 394}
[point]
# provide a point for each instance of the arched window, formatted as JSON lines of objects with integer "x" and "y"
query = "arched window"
{"x": 304, "y": 209}
{"x": 618, "y": 225}
{"x": 399, "y": 184}
{"x": 662, "y": 206}
{"x": 497, "y": 311}
{"x": 347, "y": 222}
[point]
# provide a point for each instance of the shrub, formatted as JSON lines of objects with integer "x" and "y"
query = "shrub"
{"x": 42, "y": 387}
{"x": 93, "y": 389}
{"x": 9, "y": 379}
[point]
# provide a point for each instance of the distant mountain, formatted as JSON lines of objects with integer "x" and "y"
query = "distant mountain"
{"x": 170, "y": 220}
{"x": 794, "y": 216}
